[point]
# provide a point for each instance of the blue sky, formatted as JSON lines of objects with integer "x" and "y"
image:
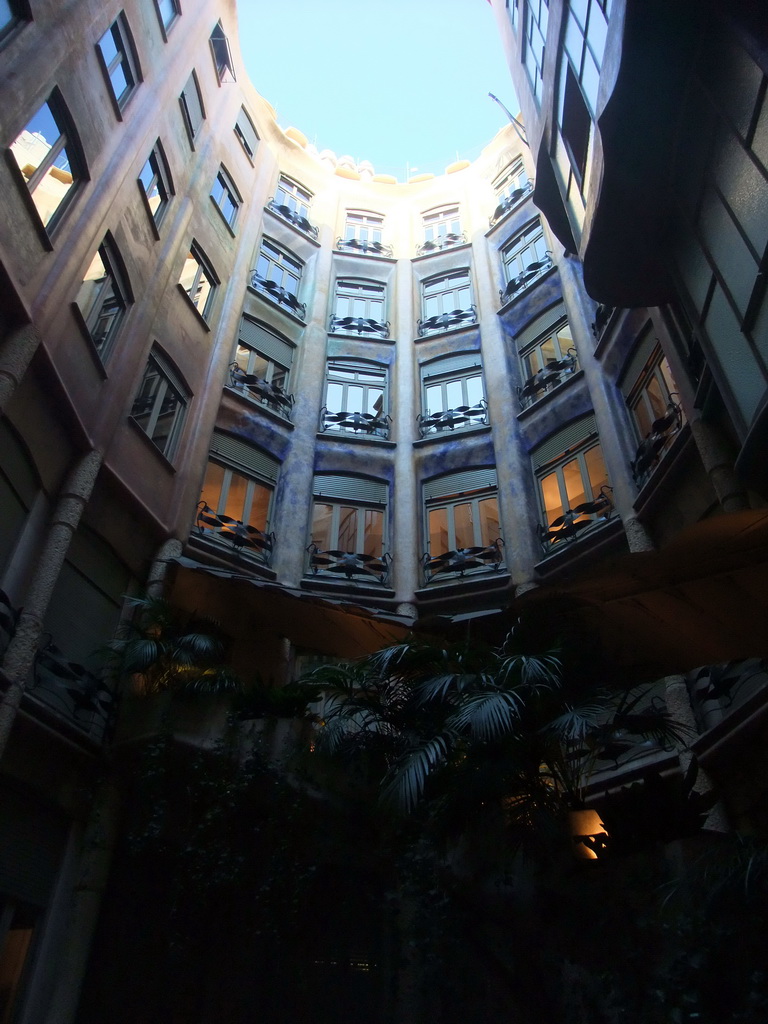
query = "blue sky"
{"x": 395, "y": 82}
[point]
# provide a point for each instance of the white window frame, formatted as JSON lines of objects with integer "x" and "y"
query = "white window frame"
{"x": 442, "y": 294}
{"x": 294, "y": 196}
{"x": 363, "y": 390}
{"x": 252, "y": 482}
{"x": 470, "y": 488}
{"x": 525, "y": 258}
{"x": 439, "y": 381}
{"x": 363, "y": 226}
{"x": 592, "y": 491}
{"x": 278, "y": 264}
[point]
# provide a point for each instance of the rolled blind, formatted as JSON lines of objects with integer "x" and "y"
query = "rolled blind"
{"x": 241, "y": 455}
{"x": 459, "y": 483}
{"x": 562, "y": 440}
{"x": 354, "y": 488}
{"x": 269, "y": 344}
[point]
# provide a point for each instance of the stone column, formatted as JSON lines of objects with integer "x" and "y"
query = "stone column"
{"x": 16, "y": 354}
{"x": 718, "y": 464}
{"x": 406, "y": 506}
{"x": 20, "y": 656}
{"x": 167, "y": 551}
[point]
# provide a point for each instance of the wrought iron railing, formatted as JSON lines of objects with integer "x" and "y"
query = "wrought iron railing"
{"x": 656, "y": 442}
{"x": 526, "y": 277}
{"x": 292, "y": 217}
{"x": 76, "y": 694}
{"x": 602, "y": 316}
{"x": 445, "y": 321}
{"x": 355, "y": 422}
{"x": 364, "y": 246}
{"x": 717, "y": 689}
{"x": 442, "y": 242}
{"x": 350, "y": 564}
{"x": 509, "y": 202}
{"x": 548, "y": 378}
{"x": 279, "y": 294}
{"x": 240, "y": 535}
{"x": 462, "y": 560}
{"x": 358, "y": 325}
{"x": 571, "y": 524}
{"x": 451, "y": 419}
{"x": 263, "y": 391}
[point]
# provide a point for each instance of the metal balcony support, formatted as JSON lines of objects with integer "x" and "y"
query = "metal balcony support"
{"x": 363, "y": 246}
{"x": 256, "y": 387}
{"x": 292, "y": 217}
{"x": 445, "y": 321}
{"x": 442, "y": 242}
{"x": 356, "y": 422}
{"x": 240, "y": 534}
{"x": 462, "y": 560}
{"x": 450, "y": 419}
{"x": 358, "y": 325}
{"x": 349, "y": 563}
{"x": 569, "y": 525}
{"x": 279, "y": 294}
{"x": 528, "y": 276}
{"x": 548, "y": 378}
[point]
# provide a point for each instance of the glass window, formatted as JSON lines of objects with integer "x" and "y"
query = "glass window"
{"x": 358, "y": 299}
{"x": 12, "y": 13}
{"x": 652, "y": 400}
{"x": 199, "y": 281}
{"x": 462, "y": 528}
{"x": 167, "y": 11}
{"x": 103, "y": 298}
{"x": 510, "y": 187}
{"x": 293, "y": 196}
{"x": 525, "y": 258}
{"x": 119, "y": 61}
{"x": 348, "y": 528}
{"x": 355, "y": 398}
{"x": 584, "y": 42}
{"x": 237, "y": 495}
{"x": 572, "y": 491}
{"x": 47, "y": 154}
{"x": 363, "y": 226}
{"x": 452, "y": 397}
{"x": 347, "y": 533}
{"x": 245, "y": 131}
{"x": 278, "y": 275}
{"x": 222, "y": 55}
{"x": 155, "y": 183}
{"x": 446, "y": 302}
{"x": 160, "y": 405}
{"x": 226, "y": 197}
{"x": 192, "y": 109}
{"x": 535, "y": 22}
{"x": 262, "y": 366}
{"x": 442, "y": 228}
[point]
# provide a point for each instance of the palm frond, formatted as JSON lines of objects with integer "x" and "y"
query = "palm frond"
{"x": 487, "y": 716}
{"x": 404, "y": 785}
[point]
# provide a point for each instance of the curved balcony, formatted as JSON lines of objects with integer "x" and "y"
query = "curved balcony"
{"x": 358, "y": 325}
{"x": 355, "y": 422}
{"x": 279, "y": 294}
{"x": 656, "y": 442}
{"x": 292, "y": 217}
{"x": 528, "y": 276}
{"x": 271, "y": 395}
{"x": 451, "y": 419}
{"x": 571, "y": 524}
{"x": 442, "y": 242}
{"x": 240, "y": 535}
{"x": 456, "y": 563}
{"x": 363, "y": 246}
{"x": 548, "y": 378}
{"x": 350, "y": 564}
{"x": 445, "y": 321}
{"x": 508, "y": 203}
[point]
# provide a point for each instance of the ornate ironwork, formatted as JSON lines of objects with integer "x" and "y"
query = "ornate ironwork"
{"x": 240, "y": 534}
{"x": 508, "y": 202}
{"x": 262, "y": 390}
{"x": 359, "y": 325}
{"x": 357, "y": 422}
{"x": 651, "y": 448}
{"x": 349, "y": 563}
{"x": 445, "y": 321}
{"x": 279, "y": 294}
{"x": 442, "y": 242}
{"x": 531, "y": 272}
{"x": 569, "y": 525}
{"x": 602, "y": 316}
{"x": 292, "y": 217}
{"x": 462, "y": 560}
{"x": 72, "y": 691}
{"x": 548, "y": 378}
{"x": 364, "y": 246}
{"x": 450, "y": 419}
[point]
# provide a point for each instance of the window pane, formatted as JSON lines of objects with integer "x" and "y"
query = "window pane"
{"x": 259, "y": 511}
{"x": 235, "y": 504}
{"x": 463, "y": 526}
{"x": 438, "y": 531}
{"x": 335, "y": 398}
{"x": 162, "y": 435}
{"x": 474, "y": 390}
{"x": 145, "y": 399}
{"x": 488, "y": 512}
{"x": 373, "y": 536}
{"x": 550, "y": 492}
{"x": 322, "y": 516}
{"x": 214, "y": 480}
{"x": 598, "y": 476}
{"x": 656, "y": 397}
{"x": 42, "y": 157}
{"x": 453, "y": 394}
{"x": 188, "y": 272}
{"x": 574, "y": 484}
{"x": 347, "y": 529}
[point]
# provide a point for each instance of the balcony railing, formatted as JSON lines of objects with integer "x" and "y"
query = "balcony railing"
{"x": 461, "y": 561}
{"x": 656, "y": 442}
{"x": 548, "y": 378}
{"x": 570, "y": 525}
{"x": 74, "y": 693}
{"x": 508, "y": 202}
{"x": 602, "y": 316}
{"x": 358, "y": 325}
{"x": 271, "y": 395}
{"x": 292, "y": 217}
{"x": 240, "y": 535}
{"x": 451, "y": 419}
{"x": 364, "y": 246}
{"x": 442, "y": 242}
{"x": 350, "y": 564}
{"x": 526, "y": 277}
{"x": 279, "y": 294}
{"x": 355, "y": 422}
{"x": 445, "y": 321}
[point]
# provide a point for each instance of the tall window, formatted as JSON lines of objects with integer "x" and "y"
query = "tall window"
{"x": 167, "y": 12}
{"x": 510, "y": 187}
{"x": 226, "y": 197}
{"x": 222, "y": 55}
{"x": 348, "y": 527}
{"x": 293, "y": 196}
{"x": 442, "y": 228}
{"x": 453, "y": 393}
{"x": 359, "y": 307}
{"x": 525, "y": 258}
{"x": 585, "y": 36}
{"x": 549, "y": 360}
{"x": 278, "y": 274}
{"x": 535, "y": 22}
{"x": 355, "y": 398}
{"x": 48, "y": 155}
{"x": 651, "y": 395}
{"x": 119, "y": 62}
{"x": 161, "y": 404}
{"x": 192, "y": 110}
{"x": 462, "y": 513}
{"x": 198, "y": 281}
{"x": 103, "y": 297}
{"x": 245, "y": 131}
{"x": 363, "y": 226}
{"x": 446, "y": 302}
{"x": 262, "y": 365}
{"x": 156, "y": 184}
{"x": 572, "y": 480}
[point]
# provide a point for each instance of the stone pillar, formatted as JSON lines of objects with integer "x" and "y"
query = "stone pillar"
{"x": 16, "y": 354}
{"x": 20, "y": 656}
{"x": 405, "y": 513}
{"x": 167, "y": 551}
{"x": 718, "y": 464}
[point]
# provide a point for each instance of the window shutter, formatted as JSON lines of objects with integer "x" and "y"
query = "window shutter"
{"x": 239, "y": 454}
{"x": 193, "y": 103}
{"x": 561, "y": 441}
{"x": 439, "y": 367}
{"x": 458, "y": 483}
{"x": 540, "y": 326}
{"x": 246, "y": 129}
{"x": 169, "y": 373}
{"x": 637, "y": 361}
{"x": 353, "y": 488}
{"x": 268, "y": 344}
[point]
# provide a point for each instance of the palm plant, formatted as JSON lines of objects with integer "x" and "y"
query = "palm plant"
{"x": 160, "y": 651}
